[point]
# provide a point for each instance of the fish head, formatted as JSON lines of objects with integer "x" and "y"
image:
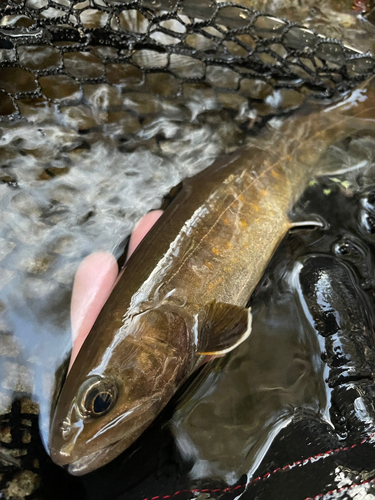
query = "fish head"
{"x": 111, "y": 396}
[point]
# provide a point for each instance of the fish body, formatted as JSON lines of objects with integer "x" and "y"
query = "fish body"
{"x": 182, "y": 294}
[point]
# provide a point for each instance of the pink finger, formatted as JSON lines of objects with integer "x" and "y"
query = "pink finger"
{"x": 94, "y": 281}
{"x": 142, "y": 228}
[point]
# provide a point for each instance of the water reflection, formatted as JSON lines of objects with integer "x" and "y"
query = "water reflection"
{"x": 227, "y": 425}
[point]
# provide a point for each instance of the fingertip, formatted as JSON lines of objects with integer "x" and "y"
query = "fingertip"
{"x": 142, "y": 228}
{"x": 92, "y": 286}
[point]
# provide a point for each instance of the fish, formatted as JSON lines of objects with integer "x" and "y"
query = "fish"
{"x": 182, "y": 296}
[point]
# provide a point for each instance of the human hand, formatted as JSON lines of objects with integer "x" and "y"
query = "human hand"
{"x": 94, "y": 281}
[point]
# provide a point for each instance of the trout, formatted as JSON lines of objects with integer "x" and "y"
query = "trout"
{"x": 182, "y": 295}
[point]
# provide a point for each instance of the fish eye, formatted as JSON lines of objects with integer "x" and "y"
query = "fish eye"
{"x": 97, "y": 397}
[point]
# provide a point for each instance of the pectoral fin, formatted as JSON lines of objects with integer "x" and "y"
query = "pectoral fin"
{"x": 297, "y": 220}
{"x": 222, "y": 328}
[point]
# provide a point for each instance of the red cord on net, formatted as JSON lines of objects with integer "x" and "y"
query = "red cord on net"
{"x": 278, "y": 469}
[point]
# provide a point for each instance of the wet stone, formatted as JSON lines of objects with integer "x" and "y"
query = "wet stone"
{"x": 65, "y": 274}
{"x": 33, "y": 264}
{"x": 233, "y": 17}
{"x": 150, "y": 59}
{"x": 336, "y": 77}
{"x": 318, "y": 62}
{"x": 6, "y": 276}
{"x": 73, "y": 20}
{"x": 173, "y": 25}
{"x": 26, "y": 437}
{"x": 255, "y": 89}
{"x": 81, "y": 5}
{"x": 104, "y": 52}
{"x": 219, "y": 76}
{"x": 236, "y": 49}
{"x": 124, "y": 122}
{"x": 52, "y": 13}
{"x": 123, "y": 74}
{"x": 186, "y": 67}
{"x": 289, "y": 99}
{"x": 267, "y": 58}
{"x": 114, "y": 23}
{"x": 279, "y": 49}
{"x": 5, "y": 403}
{"x": 327, "y": 82}
{"x": 200, "y": 42}
{"x": 65, "y": 3}
{"x": 92, "y": 18}
{"x": 16, "y": 377}
{"x": 14, "y": 80}
{"x": 6, "y": 246}
{"x": 23, "y": 484}
{"x": 37, "y": 287}
{"x": 247, "y": 40}
{"x": 268, "y": 27}
{"x": 28, "y": 406}
{"x": 7, "y": 106}
{"x": 29, "y": 231}
{"x": 36, "y": 4}
{"x": 80, "y": 117}
{"x": 142, "y": 103}
{"x": 8, "y": 346}
{"x": 164, "y": 39}
{"x": 5, "y": 435}
{"x": 201, "y": 9}
{"x": 102, "y": 96}
{"x": 118, "y": 2}
{"x": 7, "y": 55}
{"x": 213, "y": 32}
{"x": 300, "y": 39}
{"x": 4, "y": 324}
{"x": 156, "y": 4}
{"x": 360, "y": 66}
{"x": 83, "y": 65}
{"x": 308, "y": 63}
{"x": 201, "y": 92}
{"x": 39, "y": 57}
{"x": 300, "y": 72}
{"x": 64, "y": 194}
{"x": 161, "y": 84}
{"x": 16, "y": 452}
{"x": 231, "y": 101}
{"x": 16, "y": 21}
{"x": 331, "y": 52}
{"x": 132, "y": 20}
{"x": 59, "y": 87}
{"x": 263, "y": 108}
{"x": 25, "y": 204}
{"x": 36, "y": 109}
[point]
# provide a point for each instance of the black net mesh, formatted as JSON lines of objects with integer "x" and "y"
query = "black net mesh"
{"x": 64, "y": 52}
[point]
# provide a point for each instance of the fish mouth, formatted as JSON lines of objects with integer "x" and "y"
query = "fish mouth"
{"x": 101, "y": 457}
{"x": 96, "y": 459}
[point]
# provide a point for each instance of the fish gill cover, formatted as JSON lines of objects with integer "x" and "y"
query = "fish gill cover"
{"x": 88, "y": 92}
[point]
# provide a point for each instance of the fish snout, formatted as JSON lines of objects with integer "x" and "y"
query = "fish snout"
{"x": 66, "y": 428}
{"x": 63, "y": 440}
